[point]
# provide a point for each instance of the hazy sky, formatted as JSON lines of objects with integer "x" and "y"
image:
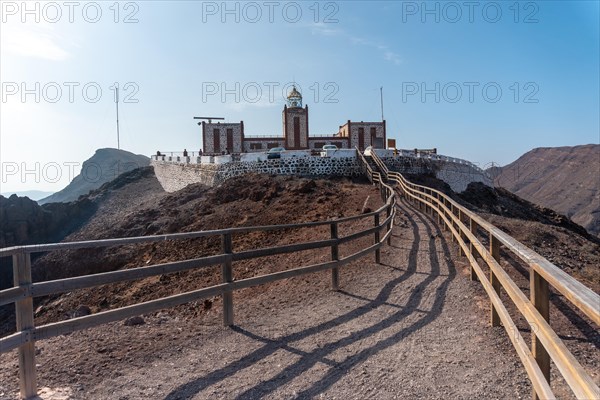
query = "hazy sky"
{"x": 484, "y": 81}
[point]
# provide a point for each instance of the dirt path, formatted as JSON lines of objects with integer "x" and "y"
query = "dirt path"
{"x": 414, "y": 327}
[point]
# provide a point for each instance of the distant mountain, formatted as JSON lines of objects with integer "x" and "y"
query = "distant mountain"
{"x": 104, "y": 166}
{"x": 565, "y": 179}
{"x": 32, "y": 194}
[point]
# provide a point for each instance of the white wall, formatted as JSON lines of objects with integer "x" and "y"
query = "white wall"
{"x": 339, "y": 153}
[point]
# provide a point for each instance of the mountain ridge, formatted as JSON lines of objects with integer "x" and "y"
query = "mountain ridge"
{"x": 564, "y": 179}
{"x": 105, "y": 165}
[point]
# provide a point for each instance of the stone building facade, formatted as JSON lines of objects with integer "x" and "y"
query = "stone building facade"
{"x": 221, "y": 138}
{"x": 226, "y": 137}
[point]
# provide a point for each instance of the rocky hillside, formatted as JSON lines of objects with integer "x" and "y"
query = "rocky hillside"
{"x": 135, "y": 204}
{"x": 23, "y": 221}
{"x": 565, "y": 179}
{"x": 104, "y": 166}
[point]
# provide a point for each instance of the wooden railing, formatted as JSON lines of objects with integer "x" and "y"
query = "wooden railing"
{"x": 465, "y": 226}
{"x": 466, "y": 229}
{"x": 24, "y": 290}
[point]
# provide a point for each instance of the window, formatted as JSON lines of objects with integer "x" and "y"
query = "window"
{"x": 271, "y": 145}
{"x": 230, "y": 139}
{"x": 255, "y": 146}
{"x": 361, "y": 138}
{"x": 217, "y": 140}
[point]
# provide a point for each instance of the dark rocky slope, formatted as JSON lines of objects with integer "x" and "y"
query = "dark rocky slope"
{"x": 565, "y": 179}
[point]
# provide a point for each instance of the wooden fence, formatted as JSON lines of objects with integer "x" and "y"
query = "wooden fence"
{"x": 467, "y": 230}
{"x": 24, "y": 290}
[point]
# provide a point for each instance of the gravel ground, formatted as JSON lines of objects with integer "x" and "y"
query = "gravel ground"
{"x": 412, "y": 327}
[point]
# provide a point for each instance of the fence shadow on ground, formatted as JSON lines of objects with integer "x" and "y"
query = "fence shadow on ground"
{"x": 338, "y": 369}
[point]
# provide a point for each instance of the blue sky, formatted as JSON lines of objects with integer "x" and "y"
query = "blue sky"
{"x": 486, "y": 83}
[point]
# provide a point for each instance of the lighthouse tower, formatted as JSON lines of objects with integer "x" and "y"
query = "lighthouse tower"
{"x": 295, "y": 122}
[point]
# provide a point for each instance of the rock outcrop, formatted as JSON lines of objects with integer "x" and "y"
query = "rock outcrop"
{"x": 564, "y": 179}
{"x": 104, "y": 166}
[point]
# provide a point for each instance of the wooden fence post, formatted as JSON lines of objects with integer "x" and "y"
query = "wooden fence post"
{"x": 378, "y": 251}
{"x": 452, "y": 222}
{"x": 227, "y": 274}
{"x": 540, "y": 297}
{"x": 24, "y": 316}
{"x": 473, "y": 229}
{"x": 495, "y": 252}
{"x": 461, "y": 253}
{"x": 443, "y": 211}
{"x": 335, "y": 272}
{"x": 388, "y": 212}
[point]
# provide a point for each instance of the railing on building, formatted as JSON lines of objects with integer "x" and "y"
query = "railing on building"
{"x": 204, "y": 158}
{"x": 278, "y": 136}
{"x": 24, "y": 290}
{"x": 426, "y": 155}
{"x": 468, "y": 230}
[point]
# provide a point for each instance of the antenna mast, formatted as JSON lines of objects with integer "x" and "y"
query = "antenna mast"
{"x": 117, "y": 102}
{"x": 381, "y": 93}
{"x": 209, "y": 119}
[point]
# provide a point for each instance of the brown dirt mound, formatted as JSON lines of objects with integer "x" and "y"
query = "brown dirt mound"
{"x": 249, "y": 200}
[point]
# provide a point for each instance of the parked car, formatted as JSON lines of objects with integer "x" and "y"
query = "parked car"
{"x": 368, "y": 150}
{"x": 328, "y": 148}
{"x": 275, "y": 152}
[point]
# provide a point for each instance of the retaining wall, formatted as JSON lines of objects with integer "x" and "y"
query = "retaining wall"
{"x": 175, "y": 176}
{"x": 456, "y": 174}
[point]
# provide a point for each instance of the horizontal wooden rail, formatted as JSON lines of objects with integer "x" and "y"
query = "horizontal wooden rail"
{"x": 580, "y": 295}
{"x": 69, "y": 284}
{"x": 15, "y": 340}
{"x": 288, "y": 248}
{"x": 24, "y": 291}
{"x": 88, "y": 321}
{"x": 576, "y": 292}
{"x": 13, "y": 294}
{"x": 39, "y": 248}
{"x": 80, "y": 282}
{"x": 538, "y": 380}
{"x": 463, "y": 225}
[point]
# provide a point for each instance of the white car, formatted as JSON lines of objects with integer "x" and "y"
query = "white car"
{"x": 275, "y": 152}
{"x": 368, "y": 151}
{"x": 327, "y": 149}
